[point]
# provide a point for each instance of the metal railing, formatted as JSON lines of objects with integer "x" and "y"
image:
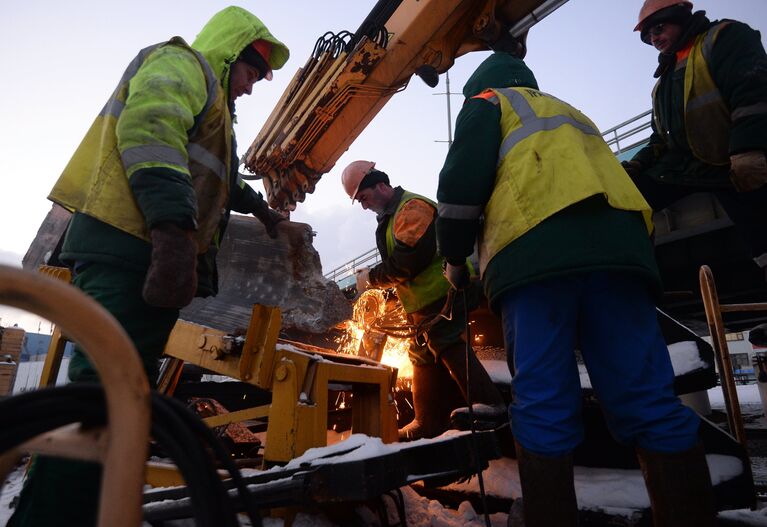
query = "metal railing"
{"x": 344, "y": 271}
{"x": 627, "y": 129}
{"x": 613, "y": 137}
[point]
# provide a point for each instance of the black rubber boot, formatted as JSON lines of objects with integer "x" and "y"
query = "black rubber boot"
{"x": 432, "y": 385}
{"x": 548, "y": 489}
{"x": 488, "y": 405}
{"x": 680, "y": 488}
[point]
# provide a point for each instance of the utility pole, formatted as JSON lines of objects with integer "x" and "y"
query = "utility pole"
{"x": 447, "y": 95}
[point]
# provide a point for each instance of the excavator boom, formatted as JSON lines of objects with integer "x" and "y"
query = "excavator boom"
{"x": 351, "y": 76}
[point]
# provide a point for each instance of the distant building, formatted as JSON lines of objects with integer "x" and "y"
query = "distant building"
{"x": 11, "y": 342}
{"x": 36, "y": 347}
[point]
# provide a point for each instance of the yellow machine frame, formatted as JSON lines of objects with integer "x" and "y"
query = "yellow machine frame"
{"x": 299, "y": 379}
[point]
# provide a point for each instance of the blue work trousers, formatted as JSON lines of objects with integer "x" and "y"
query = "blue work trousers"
{"x": 611, "y": 318}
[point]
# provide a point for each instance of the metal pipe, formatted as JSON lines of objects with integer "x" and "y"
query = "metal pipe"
{"x": 535, "y": 16}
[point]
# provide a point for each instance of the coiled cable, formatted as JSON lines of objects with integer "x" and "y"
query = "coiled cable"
{"x": 187, "y": 440}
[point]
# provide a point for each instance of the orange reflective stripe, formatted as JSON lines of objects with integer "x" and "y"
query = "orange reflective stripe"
{"x": 487, "y": 95}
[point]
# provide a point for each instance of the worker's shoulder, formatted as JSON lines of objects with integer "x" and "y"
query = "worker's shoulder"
{"x": 173, "y": 54}
{"x": 729, "y": 29}
{"x": 735, "y": 42}
{"x": 173, "y": 61}
{"x": 413, "y": 220}
{"x": 174, "y": 48}
{"x": 416, "y": 206}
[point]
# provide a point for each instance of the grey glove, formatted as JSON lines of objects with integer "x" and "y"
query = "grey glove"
{"x": 171, "y": 280}
{"x": 270, "y": 218}
{"x": 748, "y": 171}
{"x": 457, "y": 275}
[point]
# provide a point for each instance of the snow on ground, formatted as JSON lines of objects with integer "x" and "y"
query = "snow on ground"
{"x": 684, "y": 359}
{"x": 28, "y": 375}
{"x": 11, "y": 489}
{"x": 615, "y": 491}
{"x": 618, "y": 492}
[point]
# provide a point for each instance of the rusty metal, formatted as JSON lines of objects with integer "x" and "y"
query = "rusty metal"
{"x": 722, "y": 353}
{"x": 240, "y": 440}
{"x": 126, "y": 388}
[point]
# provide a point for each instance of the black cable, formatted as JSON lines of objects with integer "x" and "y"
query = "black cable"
{"x": 52, "y": 408}
{"x": 178, "y": 431}
{"x": 193, "y": 462}
{"x": 321, "y": 45}
{"x": 474, "y": 443}
{"x": 194, "y": 423}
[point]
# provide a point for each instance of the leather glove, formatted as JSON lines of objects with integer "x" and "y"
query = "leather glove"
{"x": 457, "y": 275}
{"x": 363, "y": 279}
{"x": 632, "y": 168}
{"x": 748, "y": 171}
{"x": 171, "y": 280}
{"x": 270, "y": 218}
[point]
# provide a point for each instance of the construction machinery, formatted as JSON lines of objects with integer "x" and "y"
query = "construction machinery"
{"x": 351, "y": 76}
{"x": 241, "y": 334}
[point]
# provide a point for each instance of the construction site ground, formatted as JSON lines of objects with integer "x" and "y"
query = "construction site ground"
{"x": 459, "y": 503}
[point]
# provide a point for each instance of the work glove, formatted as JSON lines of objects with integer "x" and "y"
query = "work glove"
{"x": 171, "y": 280}
{"x": 363, "y": 279}
{"x": 270, "y": 218}
{"x": 457, "y": 275}
{"x": 748, "y": 171}
{"x": 632, "y": 168}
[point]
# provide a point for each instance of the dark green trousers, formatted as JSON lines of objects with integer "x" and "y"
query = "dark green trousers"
{"x": 65, "y": 493}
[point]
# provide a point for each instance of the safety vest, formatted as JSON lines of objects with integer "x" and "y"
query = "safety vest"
{"x": 551, "y": 156}
{"x": 95, "y": 180}
{"x": 430, "y": 284}
{"x": 706, "y": 116}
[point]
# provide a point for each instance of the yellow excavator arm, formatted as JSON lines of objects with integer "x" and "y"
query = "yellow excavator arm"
{"x": 350, "y": 76}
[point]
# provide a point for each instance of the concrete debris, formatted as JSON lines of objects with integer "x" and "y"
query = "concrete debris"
{"x": 49, "y": 236}
{"x": 253, "y": 269}
{"x": 285, "y": 272}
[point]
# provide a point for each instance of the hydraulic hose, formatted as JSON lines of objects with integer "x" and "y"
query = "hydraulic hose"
{"x": 474, "y": 444}
{"x": 188, "y": 442}
{"x": 113, "y": 355}
{"x": 124, "y": 406}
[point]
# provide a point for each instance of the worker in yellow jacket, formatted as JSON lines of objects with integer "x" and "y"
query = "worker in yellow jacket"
{"x": 151, "y": 187}
{"x": 566, "y": 259}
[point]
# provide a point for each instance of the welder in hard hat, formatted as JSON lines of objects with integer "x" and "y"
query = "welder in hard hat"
{"x": 151, "y": 187}
{"x": 709, "y": 116}
{"x": 566, "y": 259}
{"x": 405, "y": 237}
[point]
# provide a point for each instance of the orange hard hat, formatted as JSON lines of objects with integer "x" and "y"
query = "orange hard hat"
{"x": 353, "y": 175}
{"x": 264, "y": 48}
{"x": 650, "y": 7}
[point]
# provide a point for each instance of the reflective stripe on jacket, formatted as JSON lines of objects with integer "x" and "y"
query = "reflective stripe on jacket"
{"x": 95, "y": 181}
{"x": 430, "y": 284}
{"x": 551, "y": 157}
{"x": 706, "y": 116}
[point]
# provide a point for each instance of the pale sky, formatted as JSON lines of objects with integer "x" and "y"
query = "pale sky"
{"x": 61, "y": 60}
